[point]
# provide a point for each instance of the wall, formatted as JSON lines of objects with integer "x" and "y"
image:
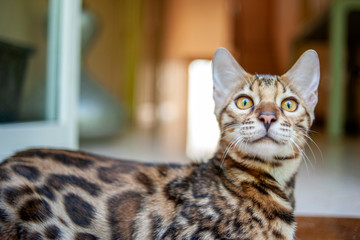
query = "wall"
{"x": 193, "y": 30}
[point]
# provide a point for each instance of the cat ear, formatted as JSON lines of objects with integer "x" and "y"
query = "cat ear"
{"x": 226, "y": 75}
{"x": 305, "y": 76}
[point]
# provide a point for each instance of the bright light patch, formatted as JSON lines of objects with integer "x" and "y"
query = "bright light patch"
{"x": 203, "y": 130}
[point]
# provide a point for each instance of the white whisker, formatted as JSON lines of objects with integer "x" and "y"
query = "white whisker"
{"x": 227, "y": 135}
{"x": 303, "y": 154}
{"x": 228, "y": 149}
{"x": 313, "y": 142}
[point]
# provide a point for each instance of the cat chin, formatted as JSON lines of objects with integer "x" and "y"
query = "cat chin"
{"x": 267, "y": 150}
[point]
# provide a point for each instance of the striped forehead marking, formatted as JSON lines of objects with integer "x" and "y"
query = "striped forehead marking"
{"x": 267, "y": 78}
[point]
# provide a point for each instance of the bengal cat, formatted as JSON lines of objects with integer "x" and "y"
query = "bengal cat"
{"x": 246, "y": 191}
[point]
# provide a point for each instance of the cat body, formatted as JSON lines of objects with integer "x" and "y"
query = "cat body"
{"x": 244, "y": 192}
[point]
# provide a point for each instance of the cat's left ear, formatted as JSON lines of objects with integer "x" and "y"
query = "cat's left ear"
{"x": 305, "y": 76}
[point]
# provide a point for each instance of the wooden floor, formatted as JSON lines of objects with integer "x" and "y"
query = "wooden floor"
{"x": 326, "y": 228}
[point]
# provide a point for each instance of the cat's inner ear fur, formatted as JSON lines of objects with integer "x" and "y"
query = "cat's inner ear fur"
{"x": 304, "y": 75}
{"x": 226, "y": 76}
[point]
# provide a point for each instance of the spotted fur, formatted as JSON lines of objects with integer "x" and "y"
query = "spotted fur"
{"x": 244, "y": 192}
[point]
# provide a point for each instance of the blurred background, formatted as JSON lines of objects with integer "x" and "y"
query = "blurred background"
{"x": 136, "y": 82}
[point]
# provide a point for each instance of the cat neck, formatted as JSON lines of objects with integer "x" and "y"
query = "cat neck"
{"x": 280, "y": 171}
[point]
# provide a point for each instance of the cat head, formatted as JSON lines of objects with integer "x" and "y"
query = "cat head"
{"x": 265, "y": 116}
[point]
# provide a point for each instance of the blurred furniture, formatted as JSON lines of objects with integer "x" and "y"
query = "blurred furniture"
{"x": 340, "y": 30}
{"x": 96, "y": 106}
{"x": 13, "y": 60}
{"x": 338, "y": 26}
{"x": 329, "y": 228}
{"x": 59, "y": 128}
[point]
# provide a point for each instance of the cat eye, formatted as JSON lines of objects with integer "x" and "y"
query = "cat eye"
{"x": 244, "y": 102}
{"x": 289, "y": 105}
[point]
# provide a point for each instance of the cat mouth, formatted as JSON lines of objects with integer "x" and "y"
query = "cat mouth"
{"x": 266, "y": 137}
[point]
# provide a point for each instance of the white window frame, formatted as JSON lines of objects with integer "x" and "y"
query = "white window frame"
{"x": 63, "y": 73}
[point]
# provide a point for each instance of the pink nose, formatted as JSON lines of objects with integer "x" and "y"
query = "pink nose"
{"x": 267, "y": 118}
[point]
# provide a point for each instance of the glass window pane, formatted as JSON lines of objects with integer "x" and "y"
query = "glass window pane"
{"x": 23, "y": 58}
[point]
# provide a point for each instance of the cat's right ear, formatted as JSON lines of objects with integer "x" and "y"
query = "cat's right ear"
{"x": 305, "y": 77}
{"x": 226, "y": 75}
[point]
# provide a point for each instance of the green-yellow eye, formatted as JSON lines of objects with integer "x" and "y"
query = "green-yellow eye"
{"x": 244, "y": 102}
{"x": 289, "y": 105}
